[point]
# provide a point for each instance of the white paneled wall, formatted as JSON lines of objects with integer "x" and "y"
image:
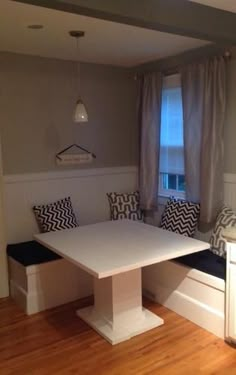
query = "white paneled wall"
{"x": 87, "y": 189}
{"x": 230, "y": 190}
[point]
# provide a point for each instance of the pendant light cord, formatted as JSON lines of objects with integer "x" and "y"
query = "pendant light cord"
{"x": 78, "y": 66}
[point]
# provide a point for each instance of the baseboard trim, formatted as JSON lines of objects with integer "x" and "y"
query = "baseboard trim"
{"x": 193, "y": 310}
{"x": 33, "y": 303}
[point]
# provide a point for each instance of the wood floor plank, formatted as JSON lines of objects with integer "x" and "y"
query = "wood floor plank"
{"x": 58, "y": 342}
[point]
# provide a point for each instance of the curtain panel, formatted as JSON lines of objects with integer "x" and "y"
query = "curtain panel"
{"x": 150, "y": 92}
{"x": 204, "y": 102}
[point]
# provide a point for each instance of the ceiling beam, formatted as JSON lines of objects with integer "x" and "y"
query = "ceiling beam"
{"x": 181, "y": 17}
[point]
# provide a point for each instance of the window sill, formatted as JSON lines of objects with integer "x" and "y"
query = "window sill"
{"x": 163, "y": 198}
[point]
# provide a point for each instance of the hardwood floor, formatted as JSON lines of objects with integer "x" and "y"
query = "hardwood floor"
{"x": 58, "y": 342}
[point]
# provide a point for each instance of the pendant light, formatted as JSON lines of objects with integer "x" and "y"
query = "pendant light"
{"x": 80, "y": 114}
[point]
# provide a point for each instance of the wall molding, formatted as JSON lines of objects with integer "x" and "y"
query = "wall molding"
{"x": 75, "y": 173}
{"x": 65, "y": 174}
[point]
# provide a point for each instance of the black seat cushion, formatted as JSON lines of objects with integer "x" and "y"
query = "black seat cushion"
{"x": 29, "y": 253}
{"x": 205, "y": 261}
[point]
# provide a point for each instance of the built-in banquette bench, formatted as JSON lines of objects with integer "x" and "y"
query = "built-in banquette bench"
{"x": 193, "y": 286}
{"x": 41, "y": 279}
{"x": 205, "y": 261}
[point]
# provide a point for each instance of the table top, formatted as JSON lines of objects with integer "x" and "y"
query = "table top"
{"x": 112, "y": 247}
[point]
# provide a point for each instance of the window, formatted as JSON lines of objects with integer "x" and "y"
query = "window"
{"x": 172, "y": 179}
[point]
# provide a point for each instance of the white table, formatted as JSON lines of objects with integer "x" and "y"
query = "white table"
{"x": 114, "y": 253}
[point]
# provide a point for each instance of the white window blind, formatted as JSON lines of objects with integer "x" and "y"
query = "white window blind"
{"x": 171, "y": 142}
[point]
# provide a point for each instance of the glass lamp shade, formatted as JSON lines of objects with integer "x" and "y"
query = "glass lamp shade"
{"x": 81, "y": 114}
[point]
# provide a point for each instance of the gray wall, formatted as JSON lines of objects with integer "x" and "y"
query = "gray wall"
{"x": 37, "y": 98}
{"x": 230, "y": 124}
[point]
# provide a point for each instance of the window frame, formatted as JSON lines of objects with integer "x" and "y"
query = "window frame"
{"x": 162, "y": 192}
{"x": 170, "y": 81}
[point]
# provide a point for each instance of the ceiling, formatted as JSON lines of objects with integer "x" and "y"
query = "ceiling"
{"x": 229, "y": 5}
{"x": 105, "y": 42}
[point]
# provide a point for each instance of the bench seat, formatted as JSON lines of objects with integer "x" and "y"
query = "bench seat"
{"x": 31, "y": 252}
{"x": 41, "y": 279}
{"x": 205, "y": 261}
{"x": 193, "y": 286}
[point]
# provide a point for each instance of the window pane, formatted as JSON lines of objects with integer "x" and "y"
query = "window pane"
{"x": 181, "y": 183}
{"x": 171, "y": 169}
{"x": 172, "y": 118}
{"x": 171, "y": 140}
{"x": 164, "y": 180}
{"x": 172, "y": 182}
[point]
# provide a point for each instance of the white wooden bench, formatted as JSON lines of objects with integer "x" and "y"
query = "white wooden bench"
{"x": 196, "y": 295}
{"x": 43, "y": 286}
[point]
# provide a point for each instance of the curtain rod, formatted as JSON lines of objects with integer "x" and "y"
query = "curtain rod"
{"x": 175, "y": 69}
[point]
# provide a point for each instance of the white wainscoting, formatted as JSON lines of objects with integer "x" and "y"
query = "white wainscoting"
{"x": 230, "y": 190}
{"x": 87, "y": 189}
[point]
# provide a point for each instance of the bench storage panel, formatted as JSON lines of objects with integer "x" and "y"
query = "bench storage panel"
{"x": 193, "y": 294}
{"x": 43, "y": 286}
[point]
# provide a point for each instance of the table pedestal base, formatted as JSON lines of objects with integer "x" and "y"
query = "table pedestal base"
{"x": 117, "y": 314}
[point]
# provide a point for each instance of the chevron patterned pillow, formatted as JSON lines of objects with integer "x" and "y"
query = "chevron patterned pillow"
{"x": 180, "y": 217}
{"x": 225, "y": 219}
{"x": 125, "y": 206}
{"x": 56, "y": 216}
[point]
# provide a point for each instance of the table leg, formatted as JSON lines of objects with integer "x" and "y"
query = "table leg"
{"x": 117, "y": 314}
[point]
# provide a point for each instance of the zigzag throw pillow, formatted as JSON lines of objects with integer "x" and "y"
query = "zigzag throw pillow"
{"x": 56, "y": 216}
{"x": 125, "y": 206}
{"x": 180, "y": 217}
{"x": 225, "y": 219}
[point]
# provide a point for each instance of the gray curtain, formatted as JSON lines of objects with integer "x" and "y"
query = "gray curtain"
{"x": 150, "y": 119}
{"x": 204, "y": 100}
